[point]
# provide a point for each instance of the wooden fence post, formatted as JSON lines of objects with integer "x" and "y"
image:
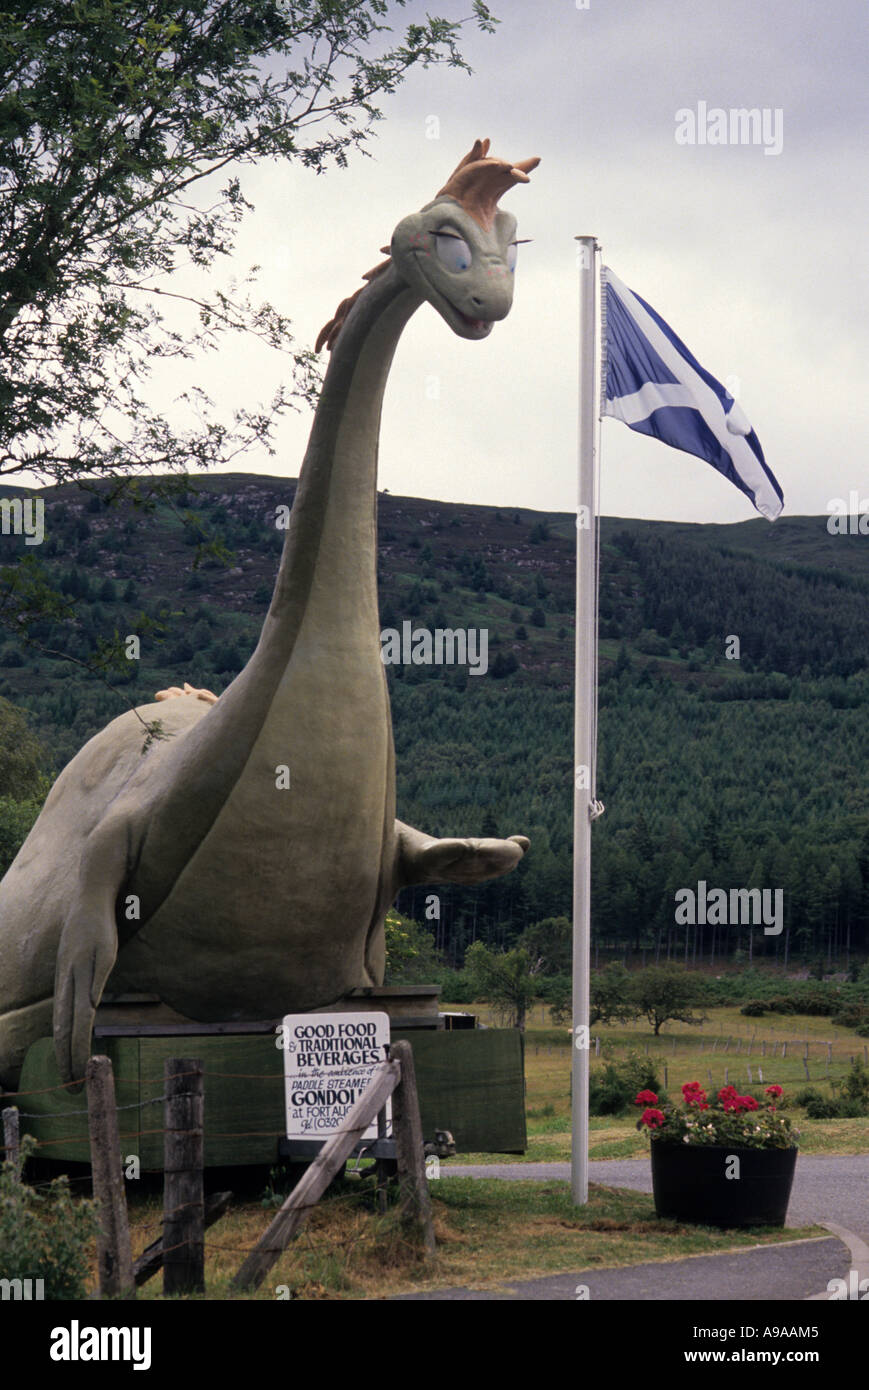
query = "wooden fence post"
{"x": 114, "y": 1257}
{"x": 317, "y": 1178}
{"x": 183, "y": 1202}
{"x": 11, "y": 1136}
{"x": 150, "y": 1262}
{"x": 415, "y": 1202}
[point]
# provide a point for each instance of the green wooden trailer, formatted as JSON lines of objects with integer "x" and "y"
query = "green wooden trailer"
{"x": 470, "y": 1081}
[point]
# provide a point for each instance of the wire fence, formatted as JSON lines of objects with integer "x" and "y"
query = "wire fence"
{"x": 143, "y": 1224}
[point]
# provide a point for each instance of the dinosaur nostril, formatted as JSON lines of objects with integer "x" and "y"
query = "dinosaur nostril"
{"x": 477, "y": 303}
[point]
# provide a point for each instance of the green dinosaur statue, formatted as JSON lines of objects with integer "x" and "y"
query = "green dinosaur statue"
{"x": 242, "y": 867}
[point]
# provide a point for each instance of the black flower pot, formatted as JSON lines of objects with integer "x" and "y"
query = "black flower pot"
{"x": 690, "y": 1183}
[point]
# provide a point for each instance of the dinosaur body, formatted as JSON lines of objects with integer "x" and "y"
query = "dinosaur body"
{"x": 243, "y": 866}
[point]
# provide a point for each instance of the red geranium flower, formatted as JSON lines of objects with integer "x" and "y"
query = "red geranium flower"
{"x": 727, "y": 1093}
{"x": 774, "y": 1091}
{"x": 747, "y": 1102}
{"x": 646, "y": 1098}
{"x": 653, "y": 1118}
{"x": 693, "y": 1094}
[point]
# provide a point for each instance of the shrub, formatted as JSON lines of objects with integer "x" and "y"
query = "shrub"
{"x": 854, "y": 1015}
{"x": 807, "y": 1094}
{"x": 855, "y": 1087}
{"x": 44, "y": 1234}
{"x": 816, "y": 1001}
{"x": 781, "y": 1004}
{"x": 825, "y": 1109}
{"x": 612, "y": 1090}
{"x": 755, "y": 1008}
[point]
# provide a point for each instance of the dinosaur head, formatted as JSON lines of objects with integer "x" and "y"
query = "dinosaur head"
{"x": 459, "y": 251}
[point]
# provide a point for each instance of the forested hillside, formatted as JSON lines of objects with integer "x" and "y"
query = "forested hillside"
{"x": 742, "y": 771}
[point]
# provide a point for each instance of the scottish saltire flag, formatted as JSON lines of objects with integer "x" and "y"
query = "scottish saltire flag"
{"x": 653, "y": 384}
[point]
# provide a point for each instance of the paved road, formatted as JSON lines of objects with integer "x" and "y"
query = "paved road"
{"x": 825, "y": 1189}
{"x": 788, "y": 1272}
{"x": 834, "y": 1190}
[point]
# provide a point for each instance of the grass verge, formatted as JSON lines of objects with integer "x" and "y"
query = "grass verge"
{"x": 489, "y": 1234}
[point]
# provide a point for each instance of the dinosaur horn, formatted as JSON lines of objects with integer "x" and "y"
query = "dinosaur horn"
{"x": 477, "y": 182}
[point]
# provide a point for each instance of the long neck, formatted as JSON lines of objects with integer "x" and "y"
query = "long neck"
{"x": 332, "y": 538}
{"x": 330, "y": 553}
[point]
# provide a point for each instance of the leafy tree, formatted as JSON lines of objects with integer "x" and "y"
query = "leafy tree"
{"x": 22, "y": 756}
{"x": 507, "y": 979}
{"x": 661, "y": 993}
{"x": 550, "y": 941}
{"x": 113, "y": 112}
{"x": 16, "y": 821}
{"x": 410, "y": 954}
{"x": 557, "y": 992}
{"x": 610, "y": 992}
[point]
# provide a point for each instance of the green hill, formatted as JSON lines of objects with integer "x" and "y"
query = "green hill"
{"x": 742, "y": 771}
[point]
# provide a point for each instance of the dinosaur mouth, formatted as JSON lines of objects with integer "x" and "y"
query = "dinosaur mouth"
{"x": 478, "y": 325}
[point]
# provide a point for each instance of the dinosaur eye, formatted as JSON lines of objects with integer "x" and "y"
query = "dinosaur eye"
{"x": 453, "y": 251}
{"x": 512, "y": 250}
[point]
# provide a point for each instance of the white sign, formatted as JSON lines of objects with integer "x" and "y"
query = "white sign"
{"x": 328, "y": 1062}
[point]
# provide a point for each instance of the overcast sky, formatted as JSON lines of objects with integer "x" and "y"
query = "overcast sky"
{"x": 756, "y": 260}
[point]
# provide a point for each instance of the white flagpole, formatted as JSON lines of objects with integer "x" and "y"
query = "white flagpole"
{"x": 585, "y": 732}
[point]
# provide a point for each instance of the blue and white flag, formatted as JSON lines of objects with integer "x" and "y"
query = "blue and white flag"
{"x": 653, "y": 384}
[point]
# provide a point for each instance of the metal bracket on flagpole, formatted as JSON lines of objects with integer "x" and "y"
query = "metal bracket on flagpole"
{"x": 595, "y": 809}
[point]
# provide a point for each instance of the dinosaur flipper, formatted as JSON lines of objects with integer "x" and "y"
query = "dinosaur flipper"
{"x": 88, "y": 948}
{"x": 423, "y": 859}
